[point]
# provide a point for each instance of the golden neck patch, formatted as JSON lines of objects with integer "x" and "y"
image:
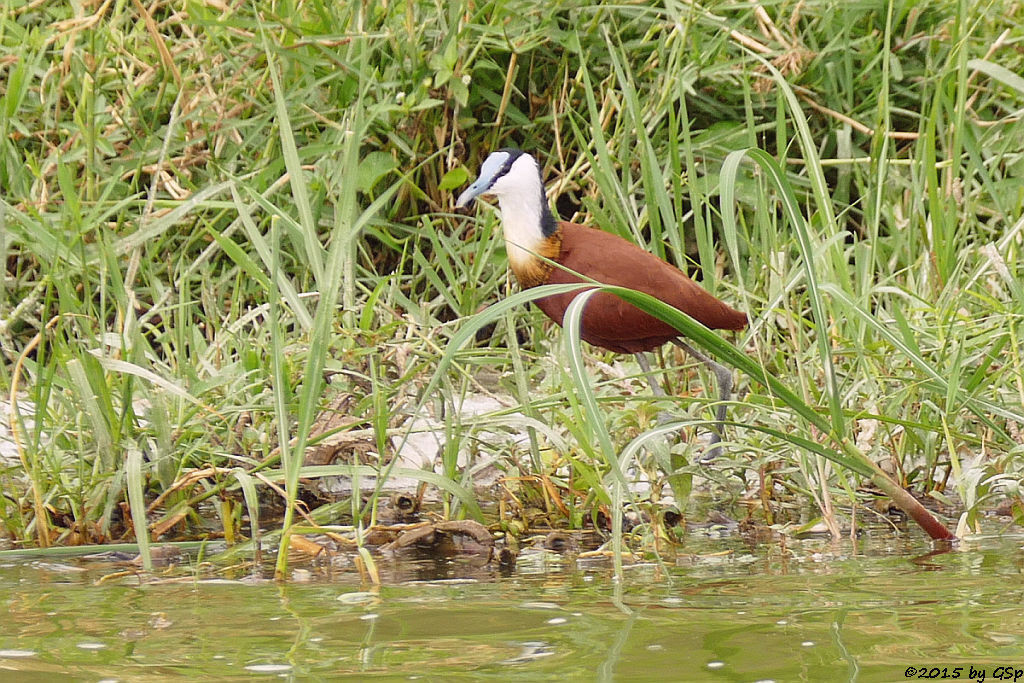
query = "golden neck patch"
{"x": 532, "y": 270}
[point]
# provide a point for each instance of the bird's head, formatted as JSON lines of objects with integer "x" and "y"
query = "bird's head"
{"x": 505, "y": 174}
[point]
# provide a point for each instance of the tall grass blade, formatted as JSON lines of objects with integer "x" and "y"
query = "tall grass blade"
{"x": 137, "y": 500}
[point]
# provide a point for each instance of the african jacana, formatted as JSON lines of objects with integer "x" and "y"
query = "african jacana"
{"x": 532, "y": 234}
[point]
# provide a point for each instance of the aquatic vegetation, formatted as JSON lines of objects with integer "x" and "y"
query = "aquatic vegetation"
{"x": 229, "y": 246}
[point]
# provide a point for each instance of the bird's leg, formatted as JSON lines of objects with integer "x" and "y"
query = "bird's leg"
{"x": 724, "y": 377}
{"x": 641, "y": 359}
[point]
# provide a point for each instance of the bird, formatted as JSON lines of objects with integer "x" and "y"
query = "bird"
{"x": 543, "y": 250}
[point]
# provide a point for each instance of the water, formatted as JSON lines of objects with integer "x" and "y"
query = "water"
{"x": 725, "y": 611}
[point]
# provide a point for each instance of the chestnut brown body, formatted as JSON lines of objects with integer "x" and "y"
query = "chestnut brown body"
{"x": 608, "y": 321}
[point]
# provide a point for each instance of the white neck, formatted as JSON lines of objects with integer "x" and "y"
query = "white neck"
{"x": 520, "y": 196}
{"x": 520, "y": 223}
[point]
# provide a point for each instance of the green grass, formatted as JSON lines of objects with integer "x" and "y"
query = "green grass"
{"x": 203, "y": 215}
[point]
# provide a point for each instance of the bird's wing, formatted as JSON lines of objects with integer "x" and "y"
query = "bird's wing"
{"x": 612, "y": 260}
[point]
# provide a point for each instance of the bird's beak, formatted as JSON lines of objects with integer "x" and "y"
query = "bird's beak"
{"x": 479, "y": 186}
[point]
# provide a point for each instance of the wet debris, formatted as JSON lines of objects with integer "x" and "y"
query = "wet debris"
{"x": 560, "y": 542}
{"x": 716, "y": 521}
{"x": 507, "y": 558}
{"x": 305, "y": 548}
{"x": 446, "y": 539}
{"x": 162, "y": 556}
{"x": 403, "y": 507}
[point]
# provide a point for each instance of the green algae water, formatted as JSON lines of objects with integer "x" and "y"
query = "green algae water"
{"x": 883, "y": 609}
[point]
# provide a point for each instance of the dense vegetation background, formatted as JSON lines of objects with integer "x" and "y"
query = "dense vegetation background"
{"x": 206, "y": 207}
